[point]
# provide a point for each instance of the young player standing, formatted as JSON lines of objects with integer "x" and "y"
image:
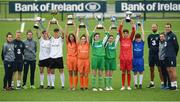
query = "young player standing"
{"x": 83, "y": 50}
{"x": 8, "y": 60}
{"x": 97, "y": 60}
{"x": 72, "y": 58}
{"x": 126, "y": 53}
{"x": 138, "y": 58}
{"x": 110, "y": 59}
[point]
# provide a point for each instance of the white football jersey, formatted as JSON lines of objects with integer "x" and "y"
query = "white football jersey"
{"x": 44, "y": 48}
{"x": 56, "y": 49}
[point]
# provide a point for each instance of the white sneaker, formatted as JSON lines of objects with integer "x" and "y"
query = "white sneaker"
{"x": 110, "y": 88}
{"x": 123, "y": 88}
{"x": 24, "y": 87}
{"x": 32, "y": 87}
{"x": 94, "y": 89}
{"x": 128, "y": 88}
{"x": 107, "y": 89}
{"x": 100, "y": 89}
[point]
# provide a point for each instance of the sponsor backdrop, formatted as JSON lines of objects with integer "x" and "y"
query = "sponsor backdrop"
{"x": 61, "y": 6}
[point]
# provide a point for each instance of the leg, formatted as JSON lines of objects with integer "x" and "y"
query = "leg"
{"x": 110, "y": 79}
{"x": 100, "y": 79}
{"x": 86, "y": 79}
{"x": 10, "y": 74}
{"x": 48, "y": 77}
{"x": 5, "y": 75}
{"x": 75, "y": 78}
{"x": 129, "y": 77}
{"x": 94, "y": 78}
{"x": 107, "y": 78}
{"x": 160, "y": 75}
{"x": 135, "y": 79}
{"x": 25, "y": 72}
{"x": 33, "y": 68}
{"x": 71, "y": 79}
{"x": 52, "y": 77}
{"x": 82, "y": 86}
{"x": 62, "y": 77}
{"x": 152, "y": 74}
{"x": 123, "y": 77}
{"x": 41, "y": 76}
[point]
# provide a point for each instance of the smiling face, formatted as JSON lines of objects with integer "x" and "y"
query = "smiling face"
{"x": 111, "y": 39}
{"x": 162, "y": 37}
{"x": 45, "y": 34}
{"x": 167, "y": 28}
{"x": 71, "y": 38}
{"x": 96, "y": 37}
{"x": 18, "y": 35}
{"x": 9, "y": 38}
{"x": 83, "y": 40}
{"x": 154, "y": 27}
{"x": 29, "y": 35}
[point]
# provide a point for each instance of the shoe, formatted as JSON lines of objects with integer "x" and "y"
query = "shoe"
{"x": 162, "y": 86}
{"x": 94, "y": 89}
{"x": 123, "y": 88}
{"x": 62, "y": 87}
{"x": 151, "y": 86}
{"x": 18, "y": 87}
{"x": 110, "y": 88}
{"x": 82, "y": 89}
{"x": 41, "y": 87}
{"x": 107, "y": 89}
{"x": 174, "y": 88}
{"x": 128, "y": 88}
{"x": 140, "y": 86}
{"x": 135, "y": 86}
{"x": 24, "y": 87}
{"x": 52, "y": 87}
{"x": 32, "y": 87}
{"x": 100, "y": 89}
{"x": 48, "y": 87}
{"x": 86, "y": 88}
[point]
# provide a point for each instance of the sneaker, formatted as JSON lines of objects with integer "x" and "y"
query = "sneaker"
{"x": 73, "y": 89}
{"x": 123, "y": 88}
{"x": 62, "y": 87}
{"x": 128, "y": 88}
{"x": 94, "y": 89}
{"x": 173, "y": 88}
{"x": 107, "y": 89}
{"x": 100, "y": 89}
{"x": 135, "y": 86}
{"x": 18, "y": 87}
{"x": 140, "y": 86}
{"x": 52, "y": 87}
{"x": 48, "y": 87}
{"x": 151, "y": 86}
{"x": 32, "y": 87}
{"x": 110, "y": 88}
{"x": 82, "y": 89}
{"x": 162, "y": 86}
{"x": 24, "y": 87}
{"x": 86, "y": 88}
{"x": 41, "y": 87}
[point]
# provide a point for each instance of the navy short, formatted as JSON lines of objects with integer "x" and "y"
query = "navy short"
{"x": 153, "y": 60}
{"x": 56, "y": 63}
{"x": 44, "y": 63}
{"x": 138, "y": 65}
{"x": 18, "y": 66}
{"x": 170, "y": 61}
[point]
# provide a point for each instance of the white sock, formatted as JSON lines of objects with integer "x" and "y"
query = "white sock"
{"x": 62, "y": 78}
{"x": 49, "y": 79}
{"x": 162, "y": 83}
{"x": 12, "y": 83}
{"x": 140, "y": 79}
{"x": 52, "y": 79}
{"x": 175, "y": 83}
{"x": 41, "y": 78}
{"x": 18, "y": 83}
{"x": 172, "y": 84}
{"x": 152, "y": 82}
{"x": 135, "y": 79}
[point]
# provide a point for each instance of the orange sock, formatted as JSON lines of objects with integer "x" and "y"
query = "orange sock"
{"x": 75, "y": 81}
{"x": 71, "y": 81}
{"x": 86, "y": 81}
{"x": 81, "y": 82}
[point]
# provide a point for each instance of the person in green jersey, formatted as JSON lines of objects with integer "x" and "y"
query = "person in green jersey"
{"x": 110, "y": 59}
{"x": 97, "y": 58}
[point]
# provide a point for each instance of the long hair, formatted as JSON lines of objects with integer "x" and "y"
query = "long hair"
{"x": 71, "y": 34}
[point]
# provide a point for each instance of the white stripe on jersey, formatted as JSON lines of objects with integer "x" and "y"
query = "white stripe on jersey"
{"x": 56, "y": 49}
{"x": 44, "y": 48}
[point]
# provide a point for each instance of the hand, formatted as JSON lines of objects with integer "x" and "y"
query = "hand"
{"x": 132, "y": 22}
{"x": 49, "y": 23}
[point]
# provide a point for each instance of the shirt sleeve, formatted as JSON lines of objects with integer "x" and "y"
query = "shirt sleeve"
{"x": 3, "y": 52}
{"x": 105, "y": 38}
{"x": 117, "y": 40}
{"x": 132, "y": 33}
{"x": 91, "y": 38}
{"x": 120, "y": 31}
{"x": 175, "y": 43}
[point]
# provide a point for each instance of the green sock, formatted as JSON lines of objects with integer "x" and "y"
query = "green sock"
{"x": 100, "y": 79}
{"x": 93, "y": 81}
{"x": 107, "y": 81}
{"x": 110, "y": 81}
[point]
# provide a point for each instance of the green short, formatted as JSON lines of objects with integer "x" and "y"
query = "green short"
{"x": 110, "y": 64}
{"x": 97, "y": 62}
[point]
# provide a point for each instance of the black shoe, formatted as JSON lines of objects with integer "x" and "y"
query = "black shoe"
{"x": 18, "y": 87}
{"x": 41, "y": 87}
{"x": 62, "y": 87}
{"x": 135, "y": 86}
{"x": 173, "y": 88}
{"x": 151, "y": 86}
{"x": 140, "y": 86}
{"x": 86, "y": 88}
{"x": 52, "y": 87}
{"x": 48, "y": 87}
{"x": 82, "y": 89}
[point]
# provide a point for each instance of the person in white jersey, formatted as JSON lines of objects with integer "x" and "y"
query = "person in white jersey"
{"x": 56, "y": 55}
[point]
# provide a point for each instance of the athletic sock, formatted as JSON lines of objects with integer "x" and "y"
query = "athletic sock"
{"x": 75, "y": 81}
{"x": 86, "y": 82}
{"x": 110, "y": 81}
{"x": 123, "y": 80}
{"x": 129, "y": 79}
{"x": 175, "y": 83}
{"x": 140, "y": 79}
{"x": 172, "y": 84}
{"x": 106, "y": 81}
{"x": 41, "y": 78}
{"x": 52, "y": 79}
{"x": 12, "y": 84}
{"x": 93, "y": 81}
{"x": 70, "y": 81}
{"x": 49, "y": 80}
{"x": 62, "y": 78}
{"x": 81, "y": 82}
{"x": 152, "y": 82}
{"x": 135, "y": 79}
{"x": 18, "y": 83}
{"x": 100, "y": 81}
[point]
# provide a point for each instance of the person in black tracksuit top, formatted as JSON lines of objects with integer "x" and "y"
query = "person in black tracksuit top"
{"x": 19, "y": 54}
{"x": 153, "y": 45}
{"x": 171, "y": 52}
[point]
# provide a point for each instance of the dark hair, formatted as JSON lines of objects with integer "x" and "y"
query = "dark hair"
{"x": 137, "y": 36}
{"x": 43, "y": 31}
{"x": 169, "y": 24}
{"x": 162, "y": 33}
{"x": 155, "y": 24}
{"x": 83, "y": 36}
{"x": 125, "y": 30}
{"x": 110, "y": 36}
{"x": 56, "y": 30}
{"x": 71, "y": 34}
{"x": 9, "y": 33}
{"x": 96, "y": 34}
{"x": 29, "y": 31}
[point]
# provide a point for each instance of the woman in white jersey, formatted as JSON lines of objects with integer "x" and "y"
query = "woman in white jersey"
{"x": 56, "y": 55}
{"x": 44, "y": 59}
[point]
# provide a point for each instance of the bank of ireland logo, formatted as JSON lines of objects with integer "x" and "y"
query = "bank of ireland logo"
{"x": 92, "y": 6}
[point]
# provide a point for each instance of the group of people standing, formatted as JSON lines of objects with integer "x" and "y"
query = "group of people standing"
{"x": 20, "y": 55}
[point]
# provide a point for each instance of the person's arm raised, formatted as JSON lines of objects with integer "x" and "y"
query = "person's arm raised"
{"x": 133, "y": 30}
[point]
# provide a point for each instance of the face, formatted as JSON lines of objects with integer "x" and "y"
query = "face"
{"x": 83, "y": 40}
{"x": 56, "y": 34}
{"x": 126, "y": 34}
{"x": 97, "y": 36}
{"x": 18, "y": 36}
{"x": 9, "y": 38}
{"x": 167, "y": 28}
{"x": 111, "y": 39}
{"x": 138, "y": 39}
{"x": 71, "y": 38}
{"x": 30, "y": 35}
{"x": 162, "y": 37}
{"x": 154, "y": 28}
{"x": 45, "y": 35}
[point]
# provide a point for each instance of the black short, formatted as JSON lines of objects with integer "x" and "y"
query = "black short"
{"x": 44, "y": 63}
{"x": 56, "y": 63}
{"x": 18, "y": 66}
{"x": 170, "y": 61}
{"x": 153, "y": 60}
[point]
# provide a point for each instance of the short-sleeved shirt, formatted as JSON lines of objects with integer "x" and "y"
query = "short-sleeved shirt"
{"x": 44, "y": 48}
{"x": 138, "y": 49}
{"x": 83, "y": 51}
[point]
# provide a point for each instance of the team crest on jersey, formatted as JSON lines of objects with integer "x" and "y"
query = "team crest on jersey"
{"x": 21, "y": 45}
{"x": 15, "y": 46}
{"x": 9, "y": 49}
{"x": 156, "y": 38}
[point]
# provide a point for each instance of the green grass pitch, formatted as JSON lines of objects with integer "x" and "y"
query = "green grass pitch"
{"x": 65, "y": 95}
